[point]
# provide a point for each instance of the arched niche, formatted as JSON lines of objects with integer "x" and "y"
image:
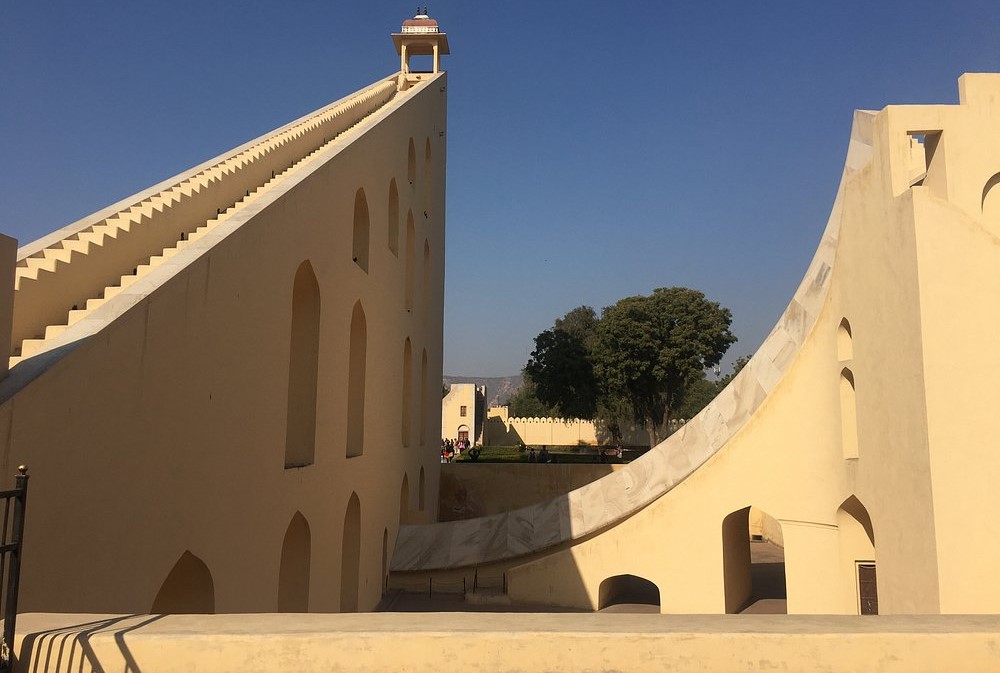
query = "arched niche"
{"x": 845, "y": 341}
{"x": 411, "y": 163}
{"x": 361, "y": 230}
{"x": 425, "y": 285}
{"x": 407, "y": 401}
{"x": 187, "y": 589}
{"x": 848, "y": 414}
{"x": 857, "y": 552}
{"x": 991, "y": 204}
{"x": 293, "y": 571}
{"x": 627, "y": 589}
{"x": 420, "y": 490}
{"x": 423, "y": 397}
{"x": 404, "y": 500}
{"x": 753, "y": 571}
{"x": 428, "y": 178}
{"x": 410, "y": 262}
{"x": 303, "y": 367}
{"x": 350, "y": 558}
{"x": 385, "y": 559}
{"x": 393, "y": 219}
{"x": 356, "y": 374}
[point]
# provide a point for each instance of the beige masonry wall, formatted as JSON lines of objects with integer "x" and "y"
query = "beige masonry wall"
{"x": 491, "y": 642}
{"x": 864, "y": 427}
{"x": 505, "y": 430}
{"x": 470, "y": 490}
{"x": 155, "y": 427}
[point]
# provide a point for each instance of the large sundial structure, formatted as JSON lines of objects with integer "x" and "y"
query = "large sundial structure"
{"x": 227, "y": 379}
{"x": 227, "y": 388}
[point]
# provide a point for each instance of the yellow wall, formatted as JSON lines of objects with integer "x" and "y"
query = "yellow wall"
{"x": 505, "y": 430}
{"x": 462, "y": 395}
{"x": 156, "y": 426}
{"x": 471, "y": 490}
{"x": 493, "y": 642}
{"x": 864, "y": 427}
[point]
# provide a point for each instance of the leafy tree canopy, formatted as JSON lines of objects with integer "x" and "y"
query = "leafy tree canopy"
{"x": 636, "y": 363}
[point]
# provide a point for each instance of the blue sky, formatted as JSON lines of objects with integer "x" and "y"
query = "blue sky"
{"x": 596, "y": 150}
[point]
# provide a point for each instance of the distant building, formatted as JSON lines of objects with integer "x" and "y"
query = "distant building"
{"x": 463, "y": 413}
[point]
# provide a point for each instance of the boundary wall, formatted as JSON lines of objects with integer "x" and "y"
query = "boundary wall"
{"x": 496, "y": 642}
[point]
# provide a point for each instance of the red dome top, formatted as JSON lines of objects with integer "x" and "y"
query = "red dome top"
{"x": 422, "y": 21}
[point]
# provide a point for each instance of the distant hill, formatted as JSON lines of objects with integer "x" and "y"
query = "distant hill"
{"x": 499, "y": 389}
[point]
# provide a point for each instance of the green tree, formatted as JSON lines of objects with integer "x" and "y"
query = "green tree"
{"x": 738, "y": 366}
{"x": 648, "y": 350}
{"x": 524, "y": 403}
{"x": 560, "y": 365}
{"x": 643, "y": 361}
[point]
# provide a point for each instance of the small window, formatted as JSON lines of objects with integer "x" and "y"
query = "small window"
{"x": 464, "y": 411}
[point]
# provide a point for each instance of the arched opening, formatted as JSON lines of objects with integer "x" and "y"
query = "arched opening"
{"x": 407, "y": 390}
{"x": 463, "y": 433}
{"x": 356, "y": 383}
{"x": 303, "y": 365}
{"x": 425, "y": 286}
{"x": 627, "y": 590}
{"x": 393, "y": 224}
{"x": 845, "y": 341}
{"x": 753, "y": 564}
{"x": 361, "y": 230}
{"x": 410, "y": 261}
{"x": 848, "y": 414}
{"x": 423, "y": 398}
{"x": 857, "y": 554}
{"x": 404, "y": 501}
{"x": 385, "y": 559}
{"x": 428, "y": 181}
{"x": 411, "y": 163}
{"x": 991, "y": 204}
{"x": 293, "y": 573}
{"x": 188, "y": 588}
{"x": 420, "y": 491}
{"x": 350, "y": 557}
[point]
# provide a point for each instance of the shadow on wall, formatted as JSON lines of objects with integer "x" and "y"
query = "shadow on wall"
{"x": 468, "y": 491}
{"x": 188, "y": 588}
{"x": 69, "y": 649}
{"x": 502, "y": 434}
{"x": 627, "y": 589}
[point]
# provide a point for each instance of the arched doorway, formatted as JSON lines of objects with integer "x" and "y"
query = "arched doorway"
{"x": 857, "y": 554}
{"x": 404, "y": 501}
{"x": 293, "y": 573}
{"x": 753, "y": 561}
{"x": 463, "y": 433}
{"x": 350, "y": 557}
{"x": 630, "y": 593}
{"x": 303, "y": 365}
{"x": 188, "y": 588}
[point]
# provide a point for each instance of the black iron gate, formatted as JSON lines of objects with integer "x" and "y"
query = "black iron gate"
{"x": 10, "y": 560}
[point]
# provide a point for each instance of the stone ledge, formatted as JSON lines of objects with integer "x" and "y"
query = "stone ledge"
{"x": 435, "y": 642}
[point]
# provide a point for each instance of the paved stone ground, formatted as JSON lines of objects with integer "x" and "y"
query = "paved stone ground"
{"x": 767, "y": 571}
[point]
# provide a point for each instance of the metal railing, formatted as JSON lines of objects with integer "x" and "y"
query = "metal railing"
{"x": 11, "y": 534}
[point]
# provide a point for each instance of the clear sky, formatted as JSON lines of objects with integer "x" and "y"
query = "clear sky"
{"x": 596, "y": 150}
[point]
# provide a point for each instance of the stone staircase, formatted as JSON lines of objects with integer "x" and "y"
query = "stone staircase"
{"x": 63, "y": 283}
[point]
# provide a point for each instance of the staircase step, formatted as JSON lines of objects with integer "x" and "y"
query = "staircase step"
{"x": 31, "y": 347}
{"x": 76, "y": 315}
{"x": 53, "y": 331}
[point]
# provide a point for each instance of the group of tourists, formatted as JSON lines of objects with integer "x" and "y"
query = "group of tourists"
{"x": 451, "y": 448}
{"x": 542, "y": 456}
